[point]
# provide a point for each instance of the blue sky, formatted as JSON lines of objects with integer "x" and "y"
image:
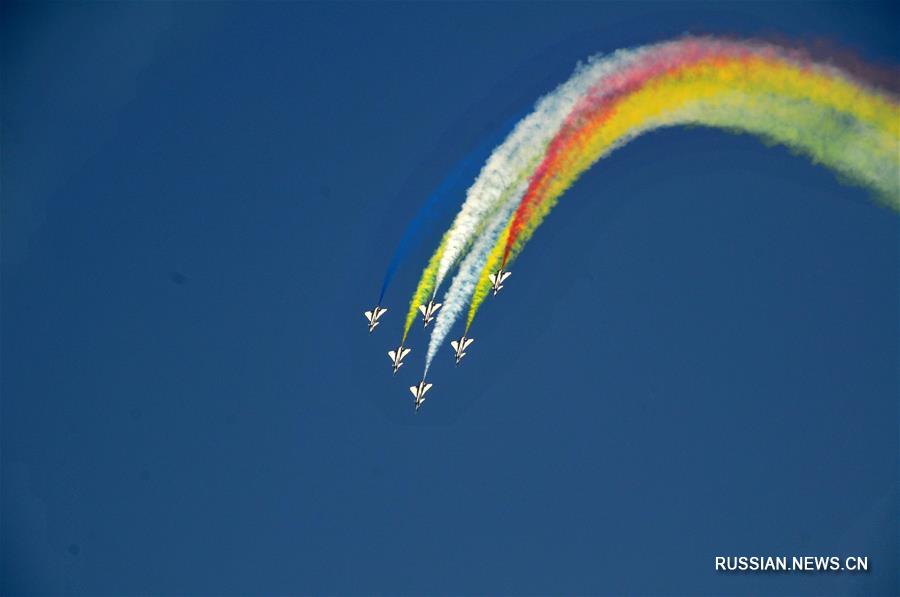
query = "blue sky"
{"x": 697, "y": 354}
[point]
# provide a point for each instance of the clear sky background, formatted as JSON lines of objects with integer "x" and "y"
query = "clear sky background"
{"x": 697, "y": 354}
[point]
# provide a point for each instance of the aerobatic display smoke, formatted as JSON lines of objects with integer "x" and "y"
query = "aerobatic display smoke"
{"x": 436, "y": 204}
{"x": 519, "y": 153}
{"x": 464, "y": 282}
{"x": 428, "y": 213}
{"x": 813, "y": 109}
{"x": 781, "y": 96}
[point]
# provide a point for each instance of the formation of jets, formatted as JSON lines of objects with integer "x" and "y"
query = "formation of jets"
{"x": 428, "y": 312}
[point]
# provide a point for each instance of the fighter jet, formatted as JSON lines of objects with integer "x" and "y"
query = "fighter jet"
{"x": 460, "y": 346}
{"x": 497, "y": 280}
{"x": 398, "y": 355}
{"x": 419, "y": 392}
{"x": 429, "y": 310}
{"x": 373, "y": 317}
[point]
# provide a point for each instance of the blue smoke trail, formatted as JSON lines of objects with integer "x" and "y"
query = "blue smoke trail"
{"x": 465, "y": 170}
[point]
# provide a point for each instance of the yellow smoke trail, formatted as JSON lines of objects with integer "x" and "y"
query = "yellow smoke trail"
{"x": 819, "y": 113}
{"x": 425, "y": 288}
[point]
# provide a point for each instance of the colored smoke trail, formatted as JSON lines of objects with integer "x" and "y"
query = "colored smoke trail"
{"x": 465, "y": 281}
{"x": 819, "y": 112}
{"x": 427, "y": 214}
{"x": 437, "y": 202}
{"x": 424, "y": 289}
{"x": 812, "y": 109}
{"x": 514, "y": 158}
{"x": 483, "y": 287}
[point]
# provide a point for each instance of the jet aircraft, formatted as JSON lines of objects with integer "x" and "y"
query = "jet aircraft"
{"x": 460, "y": 347}
{"x": 497, "y": 280}
{"x": 419, "y": 392}
{"x": 373, "y": 317}
{"x": 429, "y": 310}
{"x": 397, "y": 356}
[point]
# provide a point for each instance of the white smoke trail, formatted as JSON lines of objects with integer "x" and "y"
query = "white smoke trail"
{"x": 519, "y": 152}
{"x": 492, "y": 199}
{"x": 464, "y": 282}
{"x": 492, "y": 196}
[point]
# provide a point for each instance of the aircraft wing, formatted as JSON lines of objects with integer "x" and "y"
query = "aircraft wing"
{"x": 455, "y": 345}
{"x": 392, "y": 354}
{"x": 426, "y": 388}
{"x": 422, "y": 309}
{"x": 414, "y": 391}
{"x": 404, "y": 353}
{"x": 492, "y": 278}
{"x": 468, "y": 342}
{"x": 380, "y": 313}
{"x": 505, "y": 276}
{"x": 368, "y": 315}
{"x": 436, "y": 307}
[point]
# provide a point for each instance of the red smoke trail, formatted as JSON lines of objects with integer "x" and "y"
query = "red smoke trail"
{"x": 600, "y": 105}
